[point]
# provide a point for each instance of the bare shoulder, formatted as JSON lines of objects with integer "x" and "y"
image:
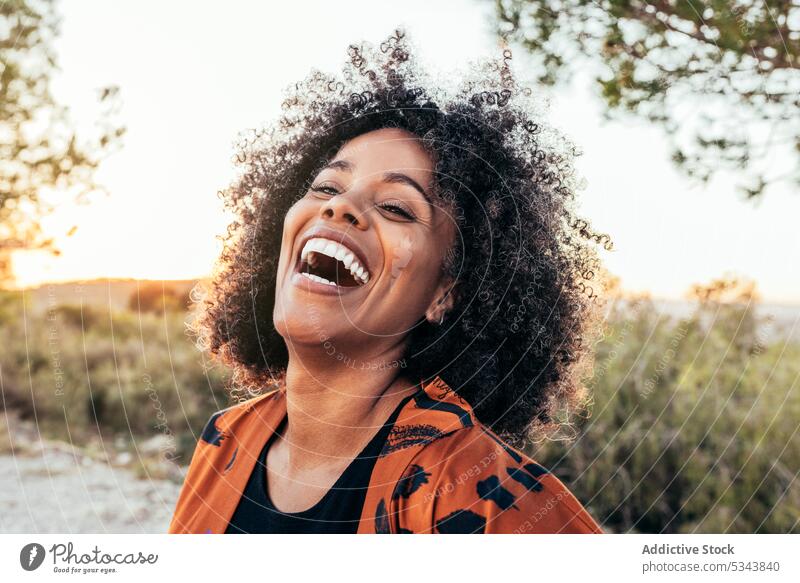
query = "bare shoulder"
{"x": 473, "y": 481}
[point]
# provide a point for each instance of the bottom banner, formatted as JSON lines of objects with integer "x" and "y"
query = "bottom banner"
{"x": 374, "y": 558}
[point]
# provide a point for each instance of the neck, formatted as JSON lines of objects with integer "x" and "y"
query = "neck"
{"x": 335, "y": 406}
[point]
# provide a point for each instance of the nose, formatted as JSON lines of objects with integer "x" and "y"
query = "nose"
{"x": 343, "y": 206}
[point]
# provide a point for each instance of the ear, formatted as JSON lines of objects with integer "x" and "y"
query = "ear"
{"x": 443, "y": 301}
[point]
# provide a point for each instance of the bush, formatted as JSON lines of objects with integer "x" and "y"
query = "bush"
{"x": 694, "y": 424}
{"x": 89, "y": 373}
{"x": 157, "y": 297}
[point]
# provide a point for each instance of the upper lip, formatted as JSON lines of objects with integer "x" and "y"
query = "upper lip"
{"x": 323, "y": 232}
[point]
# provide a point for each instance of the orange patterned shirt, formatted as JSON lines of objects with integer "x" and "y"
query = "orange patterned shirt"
{"x": 440, "y": 471}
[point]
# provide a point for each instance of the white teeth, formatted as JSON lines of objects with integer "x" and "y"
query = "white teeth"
{"x": 338, "y": 252}
{"x": 313, "y": 277}
{"x": 359, "y": 272}
{"x": 306, "y": 249}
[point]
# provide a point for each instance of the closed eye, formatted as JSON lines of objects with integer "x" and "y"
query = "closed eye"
{"x": 325, "y": 188}
{"x": 398, "y": 210}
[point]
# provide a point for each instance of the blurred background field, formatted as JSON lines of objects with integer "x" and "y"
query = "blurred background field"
{"x": 693, "y": 427}
{"x": 108, "y": 362}
{"x": 103, "y": 396}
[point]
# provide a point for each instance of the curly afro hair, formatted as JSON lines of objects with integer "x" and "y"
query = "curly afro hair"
{"x": 518, "y": 340}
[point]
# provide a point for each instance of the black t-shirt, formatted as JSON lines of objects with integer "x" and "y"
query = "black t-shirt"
{"x": 339, "y": 510}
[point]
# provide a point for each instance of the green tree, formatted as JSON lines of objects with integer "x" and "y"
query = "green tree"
{"x": 39, "y": 147}
{"x": 719, "y": 75}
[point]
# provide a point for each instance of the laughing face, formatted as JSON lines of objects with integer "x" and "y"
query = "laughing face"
{"x": 362, "y": 251}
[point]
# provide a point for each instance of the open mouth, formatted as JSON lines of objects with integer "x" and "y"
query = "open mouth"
{"x": 331, "y": 263}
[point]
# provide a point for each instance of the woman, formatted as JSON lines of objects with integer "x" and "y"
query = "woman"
{"x": 403, "y": 296}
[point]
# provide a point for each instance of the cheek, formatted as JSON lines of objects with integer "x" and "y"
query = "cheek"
{"x": 293, "y": 222}
{"x": 399, "y": 256}
{"x": 412, "y": 269}
{"x": 294, "y": 215}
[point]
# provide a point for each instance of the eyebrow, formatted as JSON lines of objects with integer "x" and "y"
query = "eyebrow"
{"x": 388, "y": 177}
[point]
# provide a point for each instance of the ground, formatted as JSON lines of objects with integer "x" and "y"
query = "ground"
{"x": 51, "y": 488}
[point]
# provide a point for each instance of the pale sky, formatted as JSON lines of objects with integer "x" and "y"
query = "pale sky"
{"x": 194, "y": 74}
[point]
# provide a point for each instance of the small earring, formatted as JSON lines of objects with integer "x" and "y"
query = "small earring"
{"x": 441, "y": 319}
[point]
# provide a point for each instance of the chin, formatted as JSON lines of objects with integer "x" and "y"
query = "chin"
{"x": 312, "y": 326}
